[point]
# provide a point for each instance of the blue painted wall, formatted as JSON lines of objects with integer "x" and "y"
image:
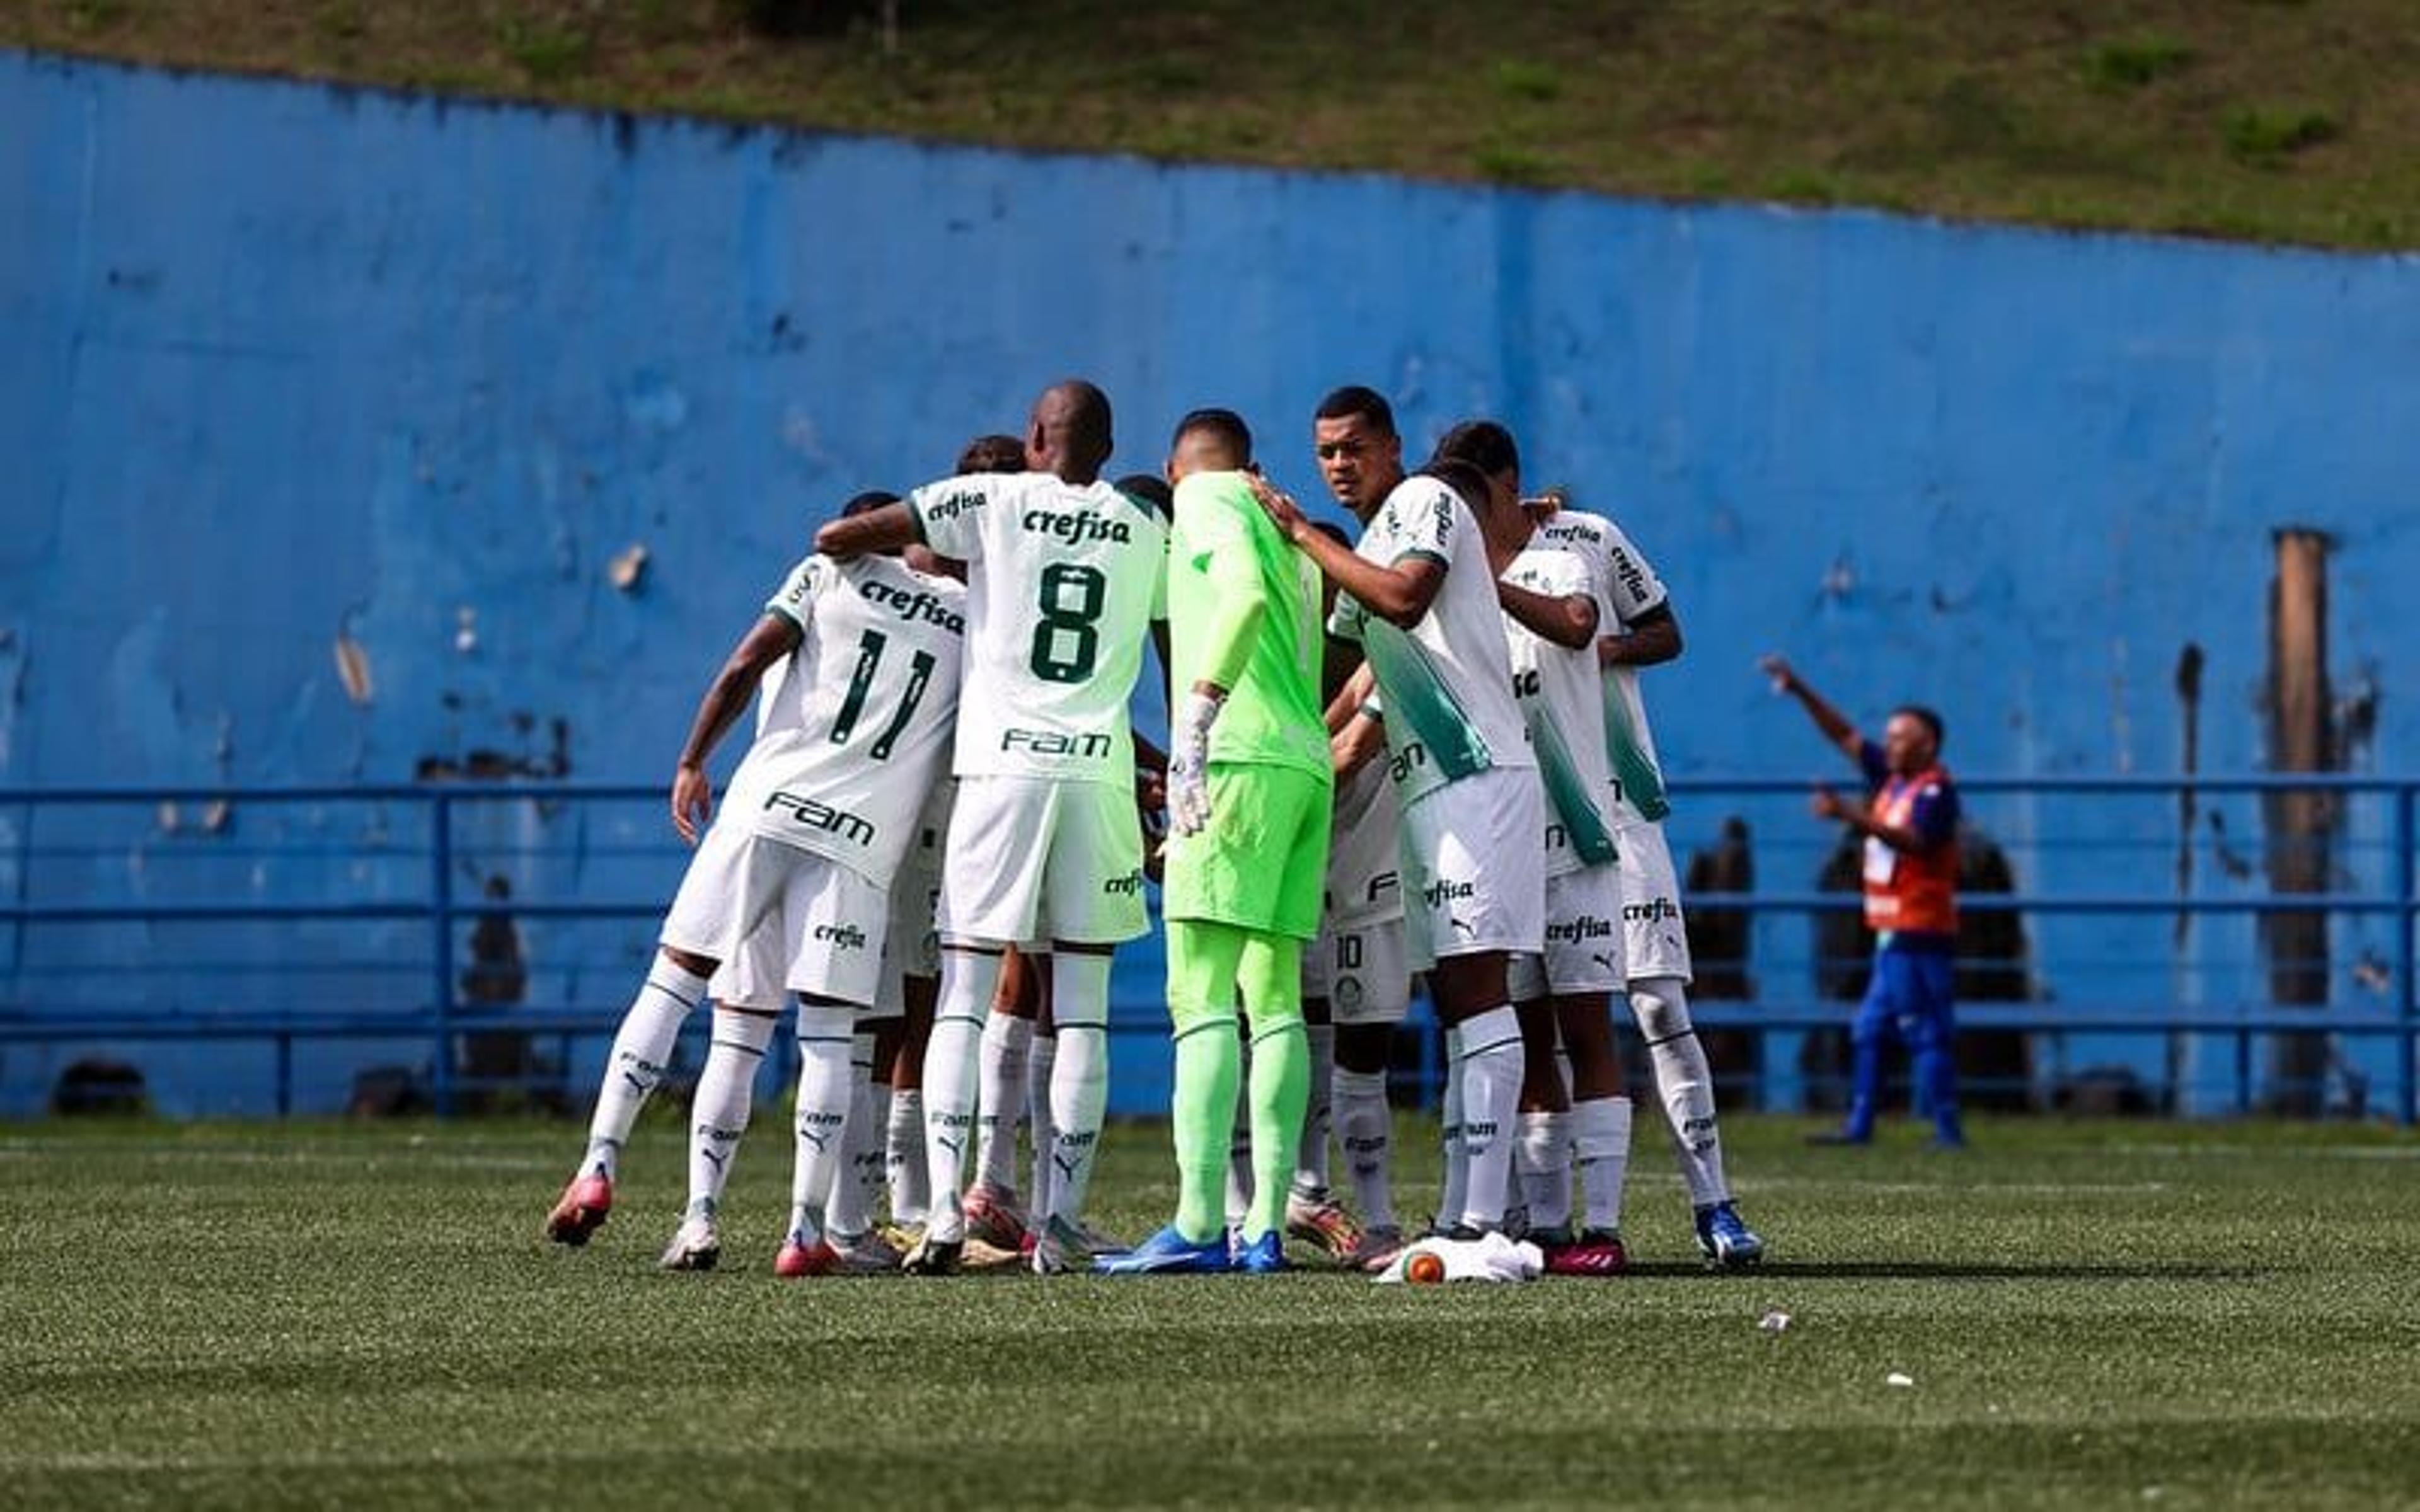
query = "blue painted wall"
{"x": 286, "y": 364}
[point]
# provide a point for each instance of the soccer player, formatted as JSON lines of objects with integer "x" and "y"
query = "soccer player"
{"x": 902, "y": 1014}
{"x": 904, "y": 1135}
{"x": 1361, "y": 886}
{"x": 1419, "y": 594}
{"x": 1644, "y": 632}
{"x": 1910, "y": 886}
{"x": 1064, "y": 577}
{"x": 1553, "y": 607}
{"x": 1020, "y": 1039}
{"x": 1248, "y": 790}
{"x": 789, "y": 888}
{"x": 1360, "y": 964}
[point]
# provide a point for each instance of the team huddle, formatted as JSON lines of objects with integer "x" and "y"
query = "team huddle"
{"x": 1420, "y": 757}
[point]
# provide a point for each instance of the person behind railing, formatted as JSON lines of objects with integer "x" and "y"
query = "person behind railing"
{"x": 1910, "y": 826}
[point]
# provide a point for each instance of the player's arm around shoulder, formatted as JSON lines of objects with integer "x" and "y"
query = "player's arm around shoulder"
{"x": 1552, "y": 602}
{"x": 1399, "y": 592}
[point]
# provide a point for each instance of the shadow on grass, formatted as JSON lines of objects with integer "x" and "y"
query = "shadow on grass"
{"x": 1969, "y": 1270}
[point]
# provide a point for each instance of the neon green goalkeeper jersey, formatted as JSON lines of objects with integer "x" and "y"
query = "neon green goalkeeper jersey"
{"x": 1222, "y": 552}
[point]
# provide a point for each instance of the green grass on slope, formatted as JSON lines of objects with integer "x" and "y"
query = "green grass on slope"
{"x": 2091, "y": 1314}
{"x": 2292, "y": 120}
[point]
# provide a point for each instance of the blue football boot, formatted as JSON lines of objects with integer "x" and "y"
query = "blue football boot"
{"x": 1265, "y": 1256}
{"x": 1728, "y": 1243}
{"x": 1168, "y": 1253}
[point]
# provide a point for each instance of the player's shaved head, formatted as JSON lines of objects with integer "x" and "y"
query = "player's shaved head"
{"x": 1070, "y": 434}
{"x": 1210, "y": 440}
{"x": 992, "y": 454}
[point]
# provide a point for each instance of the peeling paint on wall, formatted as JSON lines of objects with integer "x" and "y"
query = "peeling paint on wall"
{"x": 353, "y": 669}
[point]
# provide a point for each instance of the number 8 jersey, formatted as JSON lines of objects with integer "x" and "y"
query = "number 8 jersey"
{"x": 1063, "y": 582}
{"x": 850, "y": 736}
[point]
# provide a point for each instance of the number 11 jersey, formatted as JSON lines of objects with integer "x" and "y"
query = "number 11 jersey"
{"x": 1063, "y": 582}
{"x": 849, "y": 732}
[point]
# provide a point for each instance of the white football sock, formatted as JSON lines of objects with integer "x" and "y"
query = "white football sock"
{"x": 1041, "y": 1065}
{"x": 857, "y": 1186}
{"x": 1007, "y": 1041}
{"x": 718, "y": 1111}
{"x": 826, "y": 1038}
{"x": 903, "y": 1159}
{"x": 641, "y": 1048}
{"x": 1079, "y": 1082}
{"x": 967, "y": 978}
{"x": 1601, "y": 1148}
{"x": 1311, "y": 1170}
{"x": 1544, "y": 1161}
{"x": 1683, "y": 1084}
{"x": 1491, "y": 1064}
{"x": 1366, "y": 1127}
{"x": 1457, "y": 1169}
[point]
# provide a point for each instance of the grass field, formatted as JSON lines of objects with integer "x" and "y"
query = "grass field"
{"x": 2292, "y": 120}
{"x": 2093, "y": 1314}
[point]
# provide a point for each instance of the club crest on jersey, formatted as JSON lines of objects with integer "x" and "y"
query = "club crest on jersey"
{"x": 814, "y": 814}
{"x": 1077, "y": 529}
{"x": 1052, "y": 743}
{"x": 913, "y": 606}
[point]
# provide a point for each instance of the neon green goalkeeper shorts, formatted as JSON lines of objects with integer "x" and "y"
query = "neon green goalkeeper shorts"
{"x": 1262, "y": 861}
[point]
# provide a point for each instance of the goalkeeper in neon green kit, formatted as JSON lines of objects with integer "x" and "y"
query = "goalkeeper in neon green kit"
{"x": 1248, "y": 790}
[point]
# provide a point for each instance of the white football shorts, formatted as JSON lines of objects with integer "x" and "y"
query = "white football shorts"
{"x": 1474, "y": 866}
{"x": 1032, "y": 859}
{"x": 1361, "y": 967}
{"x": 778, "y": 919}
{"x": 1656, "y": 936}
{"x": 1584, "y": 938}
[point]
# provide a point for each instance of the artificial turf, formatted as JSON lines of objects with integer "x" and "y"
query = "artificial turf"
{"x": 2090, "y": 1314}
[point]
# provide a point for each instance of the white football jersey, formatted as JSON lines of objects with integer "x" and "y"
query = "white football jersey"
{"x": 1627, "y": 590}
{"x": 1063, "y": 582}
{"x": 1562, "y": 697}
{"x": 1445, "y": 685}
{"x": 852, "y": 727}
{"x": 1365, "y": 882}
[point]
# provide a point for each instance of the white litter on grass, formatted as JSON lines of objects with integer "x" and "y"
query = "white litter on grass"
{"x": 1899, "y": 1378}
{"x": 1774, "y": 1321}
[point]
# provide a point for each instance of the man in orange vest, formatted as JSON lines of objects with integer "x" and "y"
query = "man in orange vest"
{"x": 1911, "y": 884}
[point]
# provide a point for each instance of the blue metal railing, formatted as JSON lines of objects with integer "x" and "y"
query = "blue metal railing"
{"x": 442, "y": 1017}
